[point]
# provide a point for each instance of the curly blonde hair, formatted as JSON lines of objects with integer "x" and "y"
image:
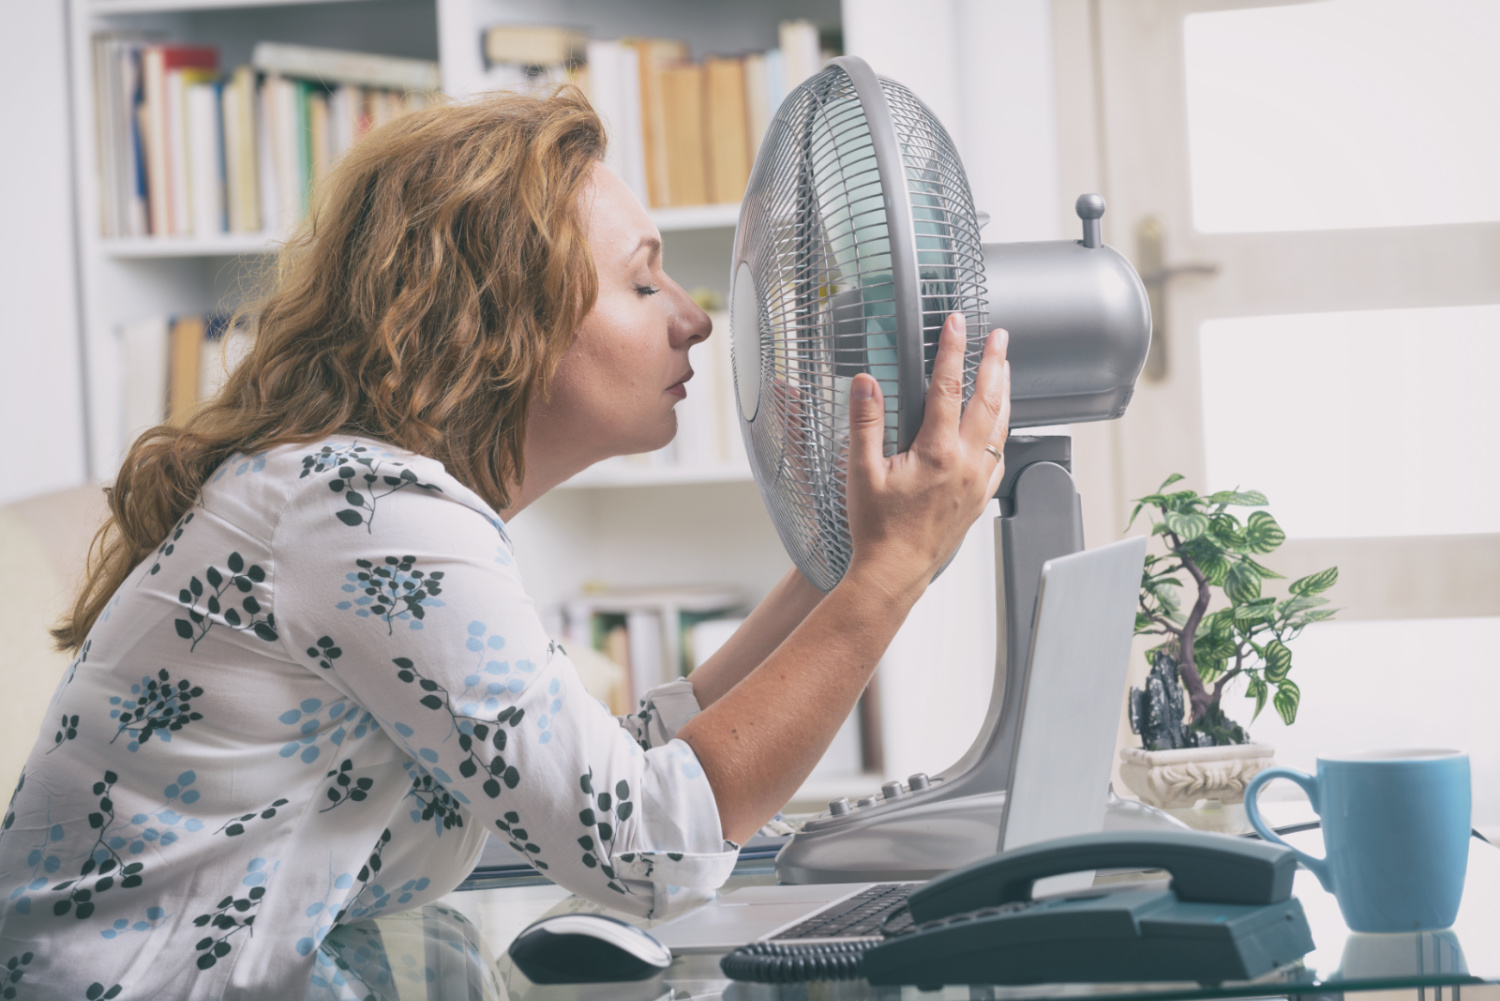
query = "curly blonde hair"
{"x": 426, "y": 302}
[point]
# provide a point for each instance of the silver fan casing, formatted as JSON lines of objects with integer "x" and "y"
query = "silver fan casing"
{"x": 857, "y": 237}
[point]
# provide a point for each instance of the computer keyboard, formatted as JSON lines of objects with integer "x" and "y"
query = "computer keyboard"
{"x": 859, "y": 916}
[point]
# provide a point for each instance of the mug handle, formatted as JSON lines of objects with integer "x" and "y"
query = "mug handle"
{"x": 1317, "y": 866}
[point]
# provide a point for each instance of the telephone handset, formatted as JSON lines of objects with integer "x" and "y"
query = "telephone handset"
{"x": 1228, "y": 914}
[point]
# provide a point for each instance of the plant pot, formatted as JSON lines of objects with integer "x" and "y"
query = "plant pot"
{"x": 1178, "y": 779}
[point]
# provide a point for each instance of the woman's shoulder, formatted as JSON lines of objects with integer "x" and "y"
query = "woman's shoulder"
{"x": 354, "y": 478}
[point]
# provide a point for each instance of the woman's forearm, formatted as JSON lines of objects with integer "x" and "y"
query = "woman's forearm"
{"x": 759, "y": 740}
{"x": 772, "y": 621}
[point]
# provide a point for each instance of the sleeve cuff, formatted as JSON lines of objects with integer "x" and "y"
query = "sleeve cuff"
{"x": 670, "y": 707}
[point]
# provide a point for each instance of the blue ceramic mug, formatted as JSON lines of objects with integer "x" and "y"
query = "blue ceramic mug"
{"x": 1396, "y": 834}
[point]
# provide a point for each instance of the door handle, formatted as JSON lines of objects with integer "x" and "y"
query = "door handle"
{"x": 1150, "y": 256}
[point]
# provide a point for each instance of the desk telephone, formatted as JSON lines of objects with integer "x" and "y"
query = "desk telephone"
{"x": 1228, "y": 914}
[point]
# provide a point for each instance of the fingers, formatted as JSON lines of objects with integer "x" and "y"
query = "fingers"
{"x": 987, "y": 416}
{"x": 1002, "y": 431}
{"x": 945, "y": 391}
{"x": 866, "y": 428}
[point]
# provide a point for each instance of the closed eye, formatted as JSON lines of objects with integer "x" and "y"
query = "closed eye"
{"x": 647, "y": 289}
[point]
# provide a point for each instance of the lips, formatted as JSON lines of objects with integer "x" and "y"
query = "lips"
{"x": 679, "y": 387}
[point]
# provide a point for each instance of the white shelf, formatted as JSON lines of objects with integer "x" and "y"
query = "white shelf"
{"x": 107, "y": 8}
{"x": 725, "y": 216}
{"x": 690, "y": 217}
{"x": 620, "y": 475}
{"x": 220, "y": 245}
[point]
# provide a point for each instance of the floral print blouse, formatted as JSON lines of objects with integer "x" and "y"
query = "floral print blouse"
{"x": 310, "y": 706}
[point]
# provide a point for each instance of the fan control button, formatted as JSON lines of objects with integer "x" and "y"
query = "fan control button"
{"x": 892, "y": 790}
{"x": 918, "y": 782}
{"x": 868, "y": 801}
{"x": 839, "y": 807}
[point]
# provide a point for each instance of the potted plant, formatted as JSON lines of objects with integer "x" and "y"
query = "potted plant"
{"x": 1191, "y": 749}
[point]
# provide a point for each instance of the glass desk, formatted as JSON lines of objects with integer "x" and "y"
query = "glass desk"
{"x": 457, "y": 950}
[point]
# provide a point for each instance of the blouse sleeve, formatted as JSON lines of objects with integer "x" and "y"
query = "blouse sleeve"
{"x": 417, "y": 612}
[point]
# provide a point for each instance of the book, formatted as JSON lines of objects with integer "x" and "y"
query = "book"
{"x": 613, "y": 87}
{"x": 179, "y": 166}
{"x": 186, "y": 356}
{"x": 533, "y": 45}
{"x": 224, "y": 346}
{"x": 757, "y": 102}
{"x": 319, "y": 150}
{"x": 331, "y": 66}
{"x": 801, "y": 54}
{"x": 652, "y": 56}
{"x": 682, "y": 104}
{"x": 144, "y": 359}
{"x": 649, "y": 665}
{"x": 205, "y": 158}
{"x": 726, "y": 128}
{"x": 241, "y": 181}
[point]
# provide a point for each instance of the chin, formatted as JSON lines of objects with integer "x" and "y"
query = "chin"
{"x": 650, "y": 439}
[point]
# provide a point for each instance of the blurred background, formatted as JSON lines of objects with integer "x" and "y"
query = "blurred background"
{"x": 1307, "y": 188}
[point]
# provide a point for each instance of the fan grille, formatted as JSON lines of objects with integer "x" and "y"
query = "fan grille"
{"x": 815, "y": 240}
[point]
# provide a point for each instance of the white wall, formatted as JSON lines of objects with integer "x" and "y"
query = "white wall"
{"x": 41, "y": 398}
{"x": 985, "y": 68}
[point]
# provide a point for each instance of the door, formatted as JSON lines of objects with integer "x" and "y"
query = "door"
{"x": 1309, "y": 190}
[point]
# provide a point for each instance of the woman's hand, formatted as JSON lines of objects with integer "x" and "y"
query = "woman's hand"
{"x": 909, "y": 512}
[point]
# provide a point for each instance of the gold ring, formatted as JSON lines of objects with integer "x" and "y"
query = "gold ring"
{"x": 999, "y": 456}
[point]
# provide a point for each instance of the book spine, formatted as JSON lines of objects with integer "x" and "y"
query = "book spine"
{"x": 186, "y": 356}
{"x": 726, "y": 129}
{"x": 153, "y": 121}
{"x": 337, "y": 66}
{"x": 179, "y": 181}
{"x": 682, "y": 95}
{"x": 265, "y": 157}
{"x": 234, "y": 178}
{"x": 204, "y": 146}
{"x": 106, "y": 165}
{"x": 137, "y": 216}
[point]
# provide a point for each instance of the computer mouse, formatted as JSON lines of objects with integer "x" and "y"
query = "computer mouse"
{"x": 587, "y": 949}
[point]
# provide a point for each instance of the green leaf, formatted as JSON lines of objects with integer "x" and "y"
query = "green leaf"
{"x": 1258, "y": 691}
{"x": 1225, "y": 529}
{"x": 1266, "y": 573}
{"x": 1242, "y": 584}
{"x": 1143, "y": 623}
{"x": 1215, "y": 568}
{"x": 1220, "y": 624}
{"x": 1169, "y": 481}
{"x": 1300, "y": 603}
{"x": 1187, "y": 525}
{"x": 1258, "y": 610}
{"x": 1262, "y": 533}
{"x": 1184, "y": 501}
{"x": 1278, "y": 658}
{"x": 1314, "y": 583}
{"x": 1171, "y": 603}
{"x": 1319, "y": 615}
{"x": 1288, "y": 697}
{"x": 1240, "y": 498}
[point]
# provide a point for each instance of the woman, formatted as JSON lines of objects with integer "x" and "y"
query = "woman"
{"x": 309, "y": 682}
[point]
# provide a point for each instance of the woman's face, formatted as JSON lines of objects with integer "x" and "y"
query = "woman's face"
{"x": 615, "y": 388}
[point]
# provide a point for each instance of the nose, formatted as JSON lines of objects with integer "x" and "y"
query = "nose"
{"x": 690, "y": 324}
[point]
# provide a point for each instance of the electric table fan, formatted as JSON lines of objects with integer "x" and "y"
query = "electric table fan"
{"x": 857, "y": 237}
